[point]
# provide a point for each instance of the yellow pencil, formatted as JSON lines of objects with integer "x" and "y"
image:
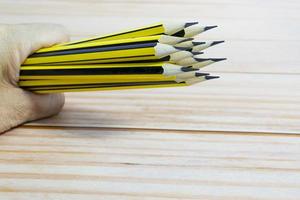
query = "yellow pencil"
{"x": 159, "y": 55}
{"x": 126, "y": 50}
{"x": 110, "y": 79}
{"x": 120, "y": 86}
{"x": 168, "y": 28}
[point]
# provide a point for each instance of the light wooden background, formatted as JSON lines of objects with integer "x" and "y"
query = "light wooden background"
{"x": 233, "y": 138}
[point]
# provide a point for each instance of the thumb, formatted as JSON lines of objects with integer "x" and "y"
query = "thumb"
{"x": 42, "y": 106}
{"x": 21, "y": 106}
{"x": 25, "y": 106}
{"x": 28, "y": 38}
{"x": 39, "y": 36}
{"x": 36, "y": 36}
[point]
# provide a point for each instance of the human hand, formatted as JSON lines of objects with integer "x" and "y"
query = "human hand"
{"x": 17, "y": 42}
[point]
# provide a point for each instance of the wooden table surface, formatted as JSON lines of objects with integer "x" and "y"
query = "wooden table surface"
{"x": 233, "y": 138}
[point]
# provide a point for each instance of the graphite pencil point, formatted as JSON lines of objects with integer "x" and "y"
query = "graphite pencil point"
{"x": 202, "y": 59}
{"x": 188, "y": 69}
{"x": 188, "y": 75}
{"x": 187, "y": 39}
{"x": 216, "y": 42}
{"x": 205, "y": 45}
{"x": 197, "y": 53}
{"x": 182, "y": 48}
{"x": 211, "y": 77}
{"x": 209, "y": 27}
{"x": 179, "y": 33}
{"x": 198, "y": 43}
{"x": 195, "y": 61}
{"x": 218, "y": 59}
{"x": 192, "y": 30}
{"x": 197, "y": 74}
{"x": 173, "y": 27}
{"x": 190, "y": 24}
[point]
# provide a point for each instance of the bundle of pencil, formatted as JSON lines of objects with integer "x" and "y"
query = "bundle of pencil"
{"x": 160, "y": 55}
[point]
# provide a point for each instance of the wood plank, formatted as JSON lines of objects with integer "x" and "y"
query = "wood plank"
{"x": 235, "y": 102}
{"x": 87, "y": 163}
{"x": 93, "y": 25}
{"x": 161, "y": 154}
{"x": 242, "y": 9}
{"x": 235, "y": 17}
{"x": 253, "y": 45}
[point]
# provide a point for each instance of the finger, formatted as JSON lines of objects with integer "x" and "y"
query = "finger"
{"x": 38, "y": 106}
{"x": 21, "y": 106}
{"x": 43, "y": 106}
{"x": 40, "y": 36}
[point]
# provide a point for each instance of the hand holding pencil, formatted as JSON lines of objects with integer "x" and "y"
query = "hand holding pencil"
{"x": 153, "y": 56}
{"x": 160, "y": 55}
{"x": 18, "y": 106}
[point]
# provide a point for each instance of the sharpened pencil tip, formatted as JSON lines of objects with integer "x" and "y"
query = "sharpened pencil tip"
{"x": 197, "y": 43}
{"x": 197, "y": 53}
{"x": 211, "y": 77}
{"x": 202, "y": 59}
{"x": 218, "y": 59}
{"x": 190, "y": 24}
{"x": 209, "y": 27}
{"x": 183, "y": 48}
{"x": 197, "y": 74}
{"x": 216, "y": 42}
{"x": 179, "y": 33}
{"x": 188, "y": 69}
{"x": 187, "y": 39}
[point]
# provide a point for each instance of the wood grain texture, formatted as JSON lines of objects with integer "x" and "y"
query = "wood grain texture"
{"x": 232, "y": 138}
{"x": 80, "y": 163}
{"x": 236, "y": 102}
{"x": 262, "y": 36}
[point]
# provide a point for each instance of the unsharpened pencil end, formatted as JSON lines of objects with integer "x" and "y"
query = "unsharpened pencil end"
{"x": 211, "y": 77}
{"x": 209, "y": 27}
{"x": 190, "y": 24}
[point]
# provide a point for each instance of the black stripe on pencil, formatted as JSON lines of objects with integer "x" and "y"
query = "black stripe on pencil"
{"x": 104, "y": 85}
{"x": 97, "y": 49}
{"x": 100, "y": 61}
{"x": 94, "y": 71}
